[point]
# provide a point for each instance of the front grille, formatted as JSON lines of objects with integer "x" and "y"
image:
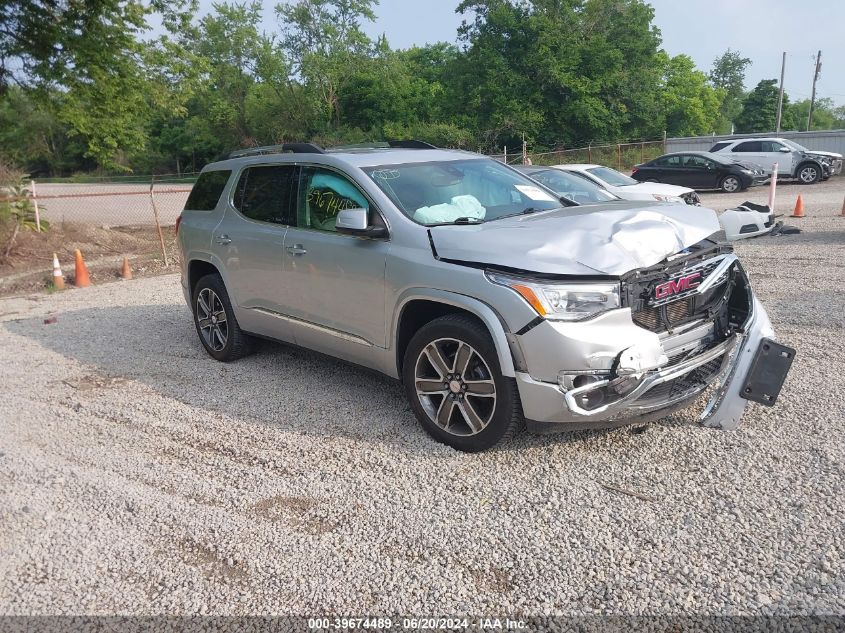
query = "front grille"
{"x": 690, "y": 383}
{"x": 672, "y": 314}
{"x": 689, "y": 305}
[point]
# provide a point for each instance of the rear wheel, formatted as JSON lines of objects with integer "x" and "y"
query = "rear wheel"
{"x": 455, "y": 386}
{"x": 808, "y": 173}
{"x": 730, "y": 184}
{"x": 217, "y": 327}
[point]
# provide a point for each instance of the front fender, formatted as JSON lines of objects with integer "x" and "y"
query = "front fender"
{"x": 488, "y": 316}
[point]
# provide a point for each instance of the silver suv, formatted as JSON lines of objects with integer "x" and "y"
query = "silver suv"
{"x": 496, "y": 303}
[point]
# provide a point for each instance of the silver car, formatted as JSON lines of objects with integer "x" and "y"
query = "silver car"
{"x": 496, "y": 303}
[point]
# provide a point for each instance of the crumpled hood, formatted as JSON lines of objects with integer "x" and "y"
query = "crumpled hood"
{"x": 607, "y": 239}
{"x": 814, "y": 152}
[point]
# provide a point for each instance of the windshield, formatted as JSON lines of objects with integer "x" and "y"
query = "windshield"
{"x": 612, "y": 177}
{"x": 572, "y": 186}
{"x": 795, "y": 145}
{"x": 460, "y": 191}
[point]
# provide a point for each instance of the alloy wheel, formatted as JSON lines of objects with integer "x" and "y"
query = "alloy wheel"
{"x": 455, "y": 386}
{"x": 808, "y": 174}
{"x": 730, "y": 184}
{"x": 211, "y": 319}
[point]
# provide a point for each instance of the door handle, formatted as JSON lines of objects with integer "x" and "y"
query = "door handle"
{"x": 296, "y": 249}
{"x": 223, "y": 240}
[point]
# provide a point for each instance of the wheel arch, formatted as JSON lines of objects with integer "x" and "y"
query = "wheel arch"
{"x": 808, "y": 161}
{"x": 197, "y": 269}
{"x": 420, "y": 306}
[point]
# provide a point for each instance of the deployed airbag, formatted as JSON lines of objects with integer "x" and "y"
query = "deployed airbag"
{"x": 459, "y": 207}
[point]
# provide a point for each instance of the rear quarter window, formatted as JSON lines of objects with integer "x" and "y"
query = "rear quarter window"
{"x": 719, "y": 146}
{"x": 206, "y": 192}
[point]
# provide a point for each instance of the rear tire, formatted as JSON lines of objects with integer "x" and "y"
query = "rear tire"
{"x": 455, "y": 385}
{"x": 215, "y": 321}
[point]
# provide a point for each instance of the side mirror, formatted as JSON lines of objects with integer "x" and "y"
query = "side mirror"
{"x": 785, "y": 150}
{"x": 354, "y": 222}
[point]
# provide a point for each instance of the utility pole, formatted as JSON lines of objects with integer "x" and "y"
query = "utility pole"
{"x": 780, "y": 96}
{"x": 813, "y": 96}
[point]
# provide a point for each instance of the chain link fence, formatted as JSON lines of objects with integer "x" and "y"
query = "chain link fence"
{"x": 106, "y": 218}
{"x": 622, "y": 156}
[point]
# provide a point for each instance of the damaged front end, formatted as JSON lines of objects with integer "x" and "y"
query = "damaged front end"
{"x": 686, "y": 324}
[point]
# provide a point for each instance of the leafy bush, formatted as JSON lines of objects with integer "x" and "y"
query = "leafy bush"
{"x": 17, "y": 212}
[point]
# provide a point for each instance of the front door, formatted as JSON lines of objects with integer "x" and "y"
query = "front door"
{"x": 700, "y": 172}
{"x": 336, "y": 281}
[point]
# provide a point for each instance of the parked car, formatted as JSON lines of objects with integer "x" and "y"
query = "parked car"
{"x": 793, "y": 162}
{"x": 569, "y": 186}
{"x": 701, "y": 170}
{"x": 738, "y": 223}
{"x": 630, "y": 189}
{"x": 493, "y": 304}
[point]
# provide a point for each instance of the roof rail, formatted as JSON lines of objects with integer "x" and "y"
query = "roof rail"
{"x": 406, "y": 144}
{"x": 297, "y": 148}
{"x": 411, "y": 144}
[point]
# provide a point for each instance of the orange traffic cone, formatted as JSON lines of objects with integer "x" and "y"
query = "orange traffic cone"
{"x": 799, "y": 208}
{"x": 58, "y": 278}
{"x": 81, "y": 278}
{"x": 125, "y": 272}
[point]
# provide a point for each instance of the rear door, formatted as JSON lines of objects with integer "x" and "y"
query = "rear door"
{"x": 668, "y": 170}
{"x": 250, "y": 242}
{"x": 752, "y": 152}
{"x": 335, "y": 281}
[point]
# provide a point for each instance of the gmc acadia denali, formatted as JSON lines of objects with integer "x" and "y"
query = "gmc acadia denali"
{"x": 495, "y": 302}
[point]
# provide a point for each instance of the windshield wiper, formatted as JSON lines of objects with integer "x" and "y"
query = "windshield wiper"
{"x": 525, "y": 211}
{"x": 464, "y": 219}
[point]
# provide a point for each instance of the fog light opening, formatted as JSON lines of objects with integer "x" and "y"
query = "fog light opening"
{"x": 591, "y": 399}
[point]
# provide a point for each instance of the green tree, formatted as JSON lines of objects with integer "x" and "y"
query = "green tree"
{"x": 759, "y": 109}
{"x": 562, "y": 72}
{"x": 824, "y": 114}
{"x": 88, "y": 62}
{"x": 728, "y": 74}
{"x": 689, "y": 104}
{"x": 325, "y": 43}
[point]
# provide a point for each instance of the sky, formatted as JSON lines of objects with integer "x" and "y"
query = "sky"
{"x": 703, "y": 29}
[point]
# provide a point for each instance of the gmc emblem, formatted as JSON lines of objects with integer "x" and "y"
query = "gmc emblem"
{"x": 677, "y": 286}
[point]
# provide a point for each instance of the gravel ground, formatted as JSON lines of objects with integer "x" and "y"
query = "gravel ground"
{"x": 138, "y": 476}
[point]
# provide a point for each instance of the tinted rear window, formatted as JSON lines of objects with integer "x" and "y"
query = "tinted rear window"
{"x": 265, "y": 193}
{"x": 207, "y": 190}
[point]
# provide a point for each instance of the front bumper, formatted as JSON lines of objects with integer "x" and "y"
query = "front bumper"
{"x": 549, "y": 407}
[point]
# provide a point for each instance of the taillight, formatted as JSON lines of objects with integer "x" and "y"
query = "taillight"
{"x": 178, "y": 222}
{"x": 633, "y": 171}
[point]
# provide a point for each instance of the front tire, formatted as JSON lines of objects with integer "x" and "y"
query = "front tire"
{"x": 215, "y": 321}
{"x": 730, "y": 184}
{"x": 808, "y": 174}
{"x": 455, "y": 385}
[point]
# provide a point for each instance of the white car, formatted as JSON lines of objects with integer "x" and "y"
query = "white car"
{"x": 627, "y": 188}
{"x": 794, "y": 161}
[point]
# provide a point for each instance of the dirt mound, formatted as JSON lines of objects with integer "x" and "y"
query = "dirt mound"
{"x": 29, "y": 265}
